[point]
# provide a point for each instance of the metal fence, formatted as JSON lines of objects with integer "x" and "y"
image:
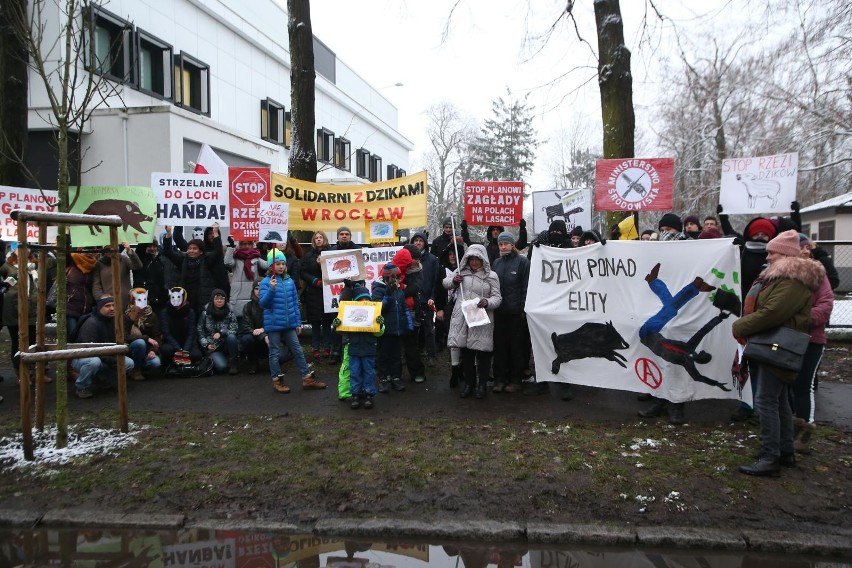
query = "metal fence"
{"x": 841, "y": 254}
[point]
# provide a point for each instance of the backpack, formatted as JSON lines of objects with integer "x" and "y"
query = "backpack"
{"x": 201, "y": 368}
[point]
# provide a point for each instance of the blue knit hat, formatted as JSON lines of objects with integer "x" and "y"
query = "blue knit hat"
{"x": 390, "y": 269}
{"x": 274, "y": 256}
{"x": 361, "y": 293}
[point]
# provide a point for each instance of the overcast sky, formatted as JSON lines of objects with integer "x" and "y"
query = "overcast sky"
{"x": 485, "y": 51}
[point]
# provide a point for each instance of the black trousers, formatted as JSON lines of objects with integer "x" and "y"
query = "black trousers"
{"x": 389, "y": 357}
{"x": 473, "y": 360}
{"x": 509, "y": 347}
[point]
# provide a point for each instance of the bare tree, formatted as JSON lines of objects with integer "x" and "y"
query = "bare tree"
{"x": 448, "y": 162}
{"x": 303, "y": 151}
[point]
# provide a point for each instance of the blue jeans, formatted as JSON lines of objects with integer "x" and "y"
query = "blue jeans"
{"x": 772, "y": 403}
{"x": 292, "y": 341}
{"x": 361, "y": 374}
{"x": 139, "y": 354}
{"x": 226, "y": 352}
{"x": 94, "y": 368}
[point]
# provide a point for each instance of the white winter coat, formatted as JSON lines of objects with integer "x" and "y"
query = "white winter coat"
{"x": 240, "y": 285}
{"x": 481, "y": 284}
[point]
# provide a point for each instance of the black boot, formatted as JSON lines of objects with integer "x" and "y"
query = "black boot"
{"x": 658, "y": 409}
{"x": 676, "y": 414}
{"x": 467, "y": 389}
{"x": 480, "y": 390}
{"x": 762, "y": 467}
{"x": 455, "y": 377}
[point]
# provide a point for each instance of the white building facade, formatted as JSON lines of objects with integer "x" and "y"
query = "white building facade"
{"x": 187, "y": 72}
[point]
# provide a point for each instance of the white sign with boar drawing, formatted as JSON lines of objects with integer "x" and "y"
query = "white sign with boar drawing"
{"x": 762, "y": 184}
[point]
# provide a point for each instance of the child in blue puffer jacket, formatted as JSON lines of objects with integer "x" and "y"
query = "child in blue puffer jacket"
{"x": 398, "y": 322}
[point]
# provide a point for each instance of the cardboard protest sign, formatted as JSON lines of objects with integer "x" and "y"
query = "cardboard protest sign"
{"x": 634, "y": 184}
{"x": 494, "y": 202}
{"x": 325, "y": 207}
{"x": 273, "y": 217}
{"x": 764, "y": 184}
{"x": 381, "y": 231}
{"x": 570, "y": 205}
{"x": 359, "y": 316}
{"x": 373, "y": 260}
{"x": 12, "y": 198}
{"x": 637, "y": 316}
{"x": 191, "y": 199}
{"x": 135, "y": 206}
{"x": 249, "y": 186}
{"x": 340, "y": 265}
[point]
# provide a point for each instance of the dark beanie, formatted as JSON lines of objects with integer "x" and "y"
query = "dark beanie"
{"x": 558, "y": 225}
{"x": 340, "y": 229}
{"x": 217, "y": 292}
{"x": 577, "y": 231}
{"x": 691, "y": 219}
{"x": 104, "y": 301}
{"x": 390, "y": 269}
{"x": 446, "y": 221}
{"x": 360, "y": 292}
{"x": 506, "y": 238}
{"x": 671, "y": 220}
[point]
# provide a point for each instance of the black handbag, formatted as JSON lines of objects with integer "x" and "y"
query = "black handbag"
{"x": 781, "y": 347}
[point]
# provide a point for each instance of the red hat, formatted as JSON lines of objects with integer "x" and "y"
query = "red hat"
{"x": 761, "y": 225}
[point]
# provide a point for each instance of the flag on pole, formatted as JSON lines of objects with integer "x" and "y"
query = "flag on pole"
{"x": 209, "y": 163}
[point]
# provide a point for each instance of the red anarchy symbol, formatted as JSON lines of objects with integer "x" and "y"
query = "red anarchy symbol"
{"x": 648, "y": 372}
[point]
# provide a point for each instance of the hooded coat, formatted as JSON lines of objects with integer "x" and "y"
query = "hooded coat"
{"x": 241, "y": 285}
{"x": 481, "y": 284}
{"x": 785, "y": 298}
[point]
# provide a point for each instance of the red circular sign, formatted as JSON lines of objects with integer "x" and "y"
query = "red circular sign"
{"x": 648, "y": 372}
{"x": 249, "y": 188}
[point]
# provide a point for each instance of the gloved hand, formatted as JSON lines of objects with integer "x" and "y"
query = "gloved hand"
{"x": 483, "y": 303}
{"x": 380, "y": 320}
{"x": 719, "y": 208}
{"x": 794, "y": 206}
{"x": 523, "y": 223}
{"x": 537, "y": 243}
{"x": 336, "y": 322}
{"x": 231, "y": 242}
{"x": 464, "y": 225}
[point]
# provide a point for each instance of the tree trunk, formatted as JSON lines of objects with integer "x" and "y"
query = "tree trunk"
{"x": 303, "y": 154}
{"x": 13, "y": 94}
{"x": 616, "y": 85}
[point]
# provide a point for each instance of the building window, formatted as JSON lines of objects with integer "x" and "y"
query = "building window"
{"x": 826, "y": 230}
{"x": 272, "y": 121}
{"x": 375, "y": 168}
{"x": 192, "y": 84}
{"x": 401, "y": 173}
{"x": 342, "y": 153}
{"x": 111, "y": 45}
{"x": 393, "y": 171}
{"x": 325, "y": 145}
{"x": 288, "y": 129}
{"x": 153, "y": 65}
{"x": 362, "y": 163}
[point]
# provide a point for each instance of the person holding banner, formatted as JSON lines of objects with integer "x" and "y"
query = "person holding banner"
{"x": 312, "y": 296}
{"x": 344, "y": 242}
{"x": 442, "y": 241}
{"x": 444, "y": 302}
{"x": 246, "y": 266}
{"x": 513, "y": 272}
{"x": 282, "y": 321}
{"x": 196, "y": 268}
{"x": 476, "y": 281}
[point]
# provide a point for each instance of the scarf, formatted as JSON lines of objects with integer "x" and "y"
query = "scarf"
{"x": 84, "y": 262}
{"x": 218, "y": 314}
{"x": 750, "y": 300}
{"x": 246, "y": 256}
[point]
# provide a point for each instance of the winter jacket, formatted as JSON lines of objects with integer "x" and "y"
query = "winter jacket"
{"x": 397, "y": 316}
{"x": 157, "y": 275}
{"x": 280, "y": 305}
{"x": 102, "y": 275}
{"x": 362, "y": 344}
{"x": 513, "y": 271}
{"x": 312, "y": 285}
{"x": 252, "y": 319}
{"x": 785, "y": 297}
{"x": 409, "y": 277}
{"x": 10, "y": 296}
{"x": 97, "y": 329}
{"x": 218, "y": 271}
{"x": 444, "y": 270}
{"x": 146, "y": 326}
{"x": 178, "y": 327}
{"x": 209, "y": 325}
{"x": 200, "y": 285}
{"x": 822, "y": 255}
{"x": 481, "y": 284}
{"x": 429, "y": 266}
{"x": 492, "y": 247}
{"x": 79, "y": 292}
{"x": 241, "y": 285}
{"x": 821, "y": 312}
{"x": 439, "y": 244}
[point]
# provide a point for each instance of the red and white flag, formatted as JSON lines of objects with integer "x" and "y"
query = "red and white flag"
{"x": 209, "y": 163}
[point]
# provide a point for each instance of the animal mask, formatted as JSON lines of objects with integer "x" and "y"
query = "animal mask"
{"x": 177, "y": 296}
{"x": 139, "y": 297}
{"x": 198, "y": 233}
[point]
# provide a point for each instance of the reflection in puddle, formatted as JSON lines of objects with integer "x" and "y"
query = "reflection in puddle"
{"x": 203, "y": 548}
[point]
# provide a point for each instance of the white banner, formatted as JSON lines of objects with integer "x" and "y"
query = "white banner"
{"x": 764, "y": 184}
{"x": 273, "y": 219}
{"x": 569, "y": 205}
{"x": 191, "y": 199}
{"x": 636, "y": 316}
{"x": 12, "y": 198}
{"x": 374, "y": 260}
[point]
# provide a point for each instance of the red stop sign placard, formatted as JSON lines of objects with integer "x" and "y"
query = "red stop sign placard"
{"x": 249, "y": 186}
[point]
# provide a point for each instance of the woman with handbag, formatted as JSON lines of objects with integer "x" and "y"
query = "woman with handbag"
{"x": 781, "y": 297}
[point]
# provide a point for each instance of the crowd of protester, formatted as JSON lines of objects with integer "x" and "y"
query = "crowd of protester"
{"x": 238, "y": 303}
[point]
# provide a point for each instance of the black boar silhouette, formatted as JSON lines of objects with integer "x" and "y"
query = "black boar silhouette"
{"x": 272, "y": 236}
{"x": 589, "y": 340}
{"x": 131, "y": 215}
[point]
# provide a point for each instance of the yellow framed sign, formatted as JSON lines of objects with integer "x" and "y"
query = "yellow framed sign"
{"x": 359, "y": 316}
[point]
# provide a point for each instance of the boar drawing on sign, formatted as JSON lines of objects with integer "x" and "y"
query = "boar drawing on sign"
{"x": 591, "y": 339}
{"x": 131, "y": 215}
